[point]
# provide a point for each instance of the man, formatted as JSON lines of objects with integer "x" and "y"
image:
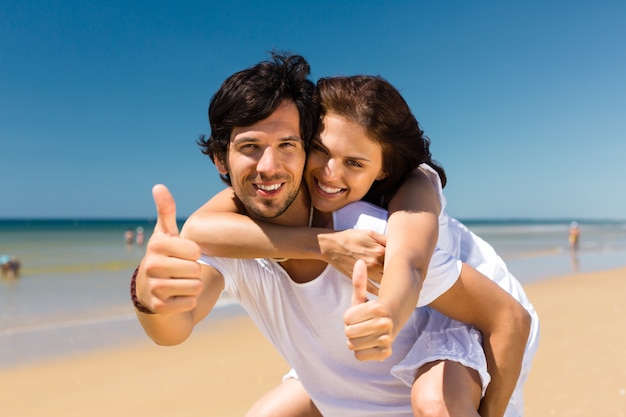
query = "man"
{"x": 265, "y": 159}
{"x": 264, "y": 163}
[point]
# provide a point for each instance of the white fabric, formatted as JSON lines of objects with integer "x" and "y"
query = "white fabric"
{"x": 441, "y": 338}
{"x": 443, "y": 269}
{"x": 305, "y": 324}
{"x": 305, "y": 321}
{"x": 456, "y": 244}
{"x": 456, "y": 240}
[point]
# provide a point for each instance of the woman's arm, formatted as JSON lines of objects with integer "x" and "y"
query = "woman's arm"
{"x": 476, "y": 300}
{"x": 221, "y": 228}
{"x": 412, "y": 232}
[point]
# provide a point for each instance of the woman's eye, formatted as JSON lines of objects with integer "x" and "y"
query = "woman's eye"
{"x": 354, "y": 164}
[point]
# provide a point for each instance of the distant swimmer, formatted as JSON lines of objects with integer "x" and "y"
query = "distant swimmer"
{"x": 139, "y": 236}
{"x": 574, "y": 236}
{"x": 129, "y": 237}
{"x": 10, "y": 266}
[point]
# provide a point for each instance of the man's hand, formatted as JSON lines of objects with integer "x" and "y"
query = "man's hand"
{"x": 168, "y": 281}
{"x": 343, "y": 249}
{"x": 368, "y": 324}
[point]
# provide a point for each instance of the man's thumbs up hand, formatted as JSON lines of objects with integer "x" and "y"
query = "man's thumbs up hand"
{"x": 166, "y": 211}
{"x": 168, "y": 281}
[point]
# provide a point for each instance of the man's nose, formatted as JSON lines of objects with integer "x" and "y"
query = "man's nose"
{"x": 268, "y": 162}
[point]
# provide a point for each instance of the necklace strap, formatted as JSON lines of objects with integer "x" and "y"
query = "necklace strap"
{"x": 311, "y": 211}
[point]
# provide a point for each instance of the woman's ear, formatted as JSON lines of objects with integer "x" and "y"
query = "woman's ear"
{"x": 381, "y": 175}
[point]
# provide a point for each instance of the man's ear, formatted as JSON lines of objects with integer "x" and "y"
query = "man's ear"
{"x": 221, "y": 165}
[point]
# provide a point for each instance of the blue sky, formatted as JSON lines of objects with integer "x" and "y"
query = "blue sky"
{"x": 525, "y": 102}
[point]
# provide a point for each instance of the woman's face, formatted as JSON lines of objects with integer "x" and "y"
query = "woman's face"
{"x": 342, "y": 164}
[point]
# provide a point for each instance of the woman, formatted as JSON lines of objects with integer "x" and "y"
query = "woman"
{"x": 371, "y": 147}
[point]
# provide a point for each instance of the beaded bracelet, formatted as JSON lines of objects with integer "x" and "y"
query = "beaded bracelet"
{"x": 133, "y": 295}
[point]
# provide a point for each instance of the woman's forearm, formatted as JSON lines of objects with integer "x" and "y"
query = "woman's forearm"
{"x": 411, "y": 238}
{"x": 237, "y": 235}
{"x": 399, "y": 291}
{"x": 412, "y": 232}
{"x": 220, "y": 230}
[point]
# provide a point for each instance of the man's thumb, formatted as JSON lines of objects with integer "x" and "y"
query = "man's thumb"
{"x": 166, "y": 210}
{"x": 359, "y": 283}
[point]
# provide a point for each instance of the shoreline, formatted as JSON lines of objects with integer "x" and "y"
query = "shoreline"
{"x": 36, "y": 335}
{"x": 22, "y": 347}
{"x": 579, "y": 369}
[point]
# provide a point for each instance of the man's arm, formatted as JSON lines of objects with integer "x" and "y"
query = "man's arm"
{"x": 170, "y": 283}
{"x": 475, "y": 299}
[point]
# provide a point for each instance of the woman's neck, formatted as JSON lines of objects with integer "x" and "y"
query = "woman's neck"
{"x": 322, "y": 219}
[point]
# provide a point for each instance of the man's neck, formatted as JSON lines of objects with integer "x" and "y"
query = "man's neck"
{"x": 298, "y": 215}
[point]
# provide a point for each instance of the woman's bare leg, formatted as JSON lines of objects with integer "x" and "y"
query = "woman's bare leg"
{"x": 446, "y": 388}
{"x": 289, "y": 399}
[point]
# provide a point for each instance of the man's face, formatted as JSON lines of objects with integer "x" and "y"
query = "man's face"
{"x": 265, "y": 162}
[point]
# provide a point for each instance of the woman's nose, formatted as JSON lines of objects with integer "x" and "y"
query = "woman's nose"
{"x": 332, "y": 169}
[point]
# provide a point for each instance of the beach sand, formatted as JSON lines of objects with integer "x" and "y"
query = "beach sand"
{"x": 579, "y": 370}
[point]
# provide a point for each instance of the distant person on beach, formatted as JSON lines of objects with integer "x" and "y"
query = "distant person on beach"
{"x": 263, "y": 158}
{"x": 10, "y": 266}
{"x": 129, "y": 237}
{"x": 574, "y": 240}
{"x": 139, "y": 236}
{"x": 574, "y": 236}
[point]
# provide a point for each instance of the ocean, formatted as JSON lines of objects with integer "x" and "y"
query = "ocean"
{"x": 73, "y": 293}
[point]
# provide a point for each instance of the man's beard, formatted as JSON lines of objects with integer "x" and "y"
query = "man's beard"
{"x": 269, "y": 209}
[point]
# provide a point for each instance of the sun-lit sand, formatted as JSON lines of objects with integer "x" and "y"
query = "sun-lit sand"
{"x": 579, "y": 370}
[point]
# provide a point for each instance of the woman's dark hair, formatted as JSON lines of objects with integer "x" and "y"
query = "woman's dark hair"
{"x": 253, "y": 94}
{"x": 375, "y": 104}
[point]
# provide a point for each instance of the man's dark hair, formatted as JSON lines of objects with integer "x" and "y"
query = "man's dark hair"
{"x": 253, "y": 94}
